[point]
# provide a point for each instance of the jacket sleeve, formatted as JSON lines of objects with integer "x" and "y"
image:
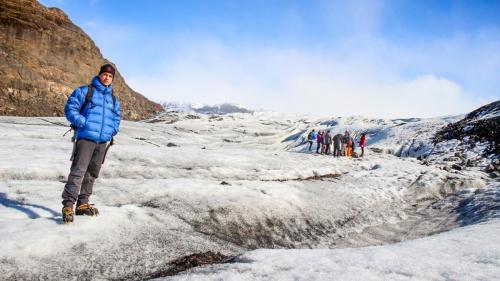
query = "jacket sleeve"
{"x": 72, "y": 108}
{"x": 117, "y": 116}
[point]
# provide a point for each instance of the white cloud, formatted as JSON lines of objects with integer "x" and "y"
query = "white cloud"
{"x": 292, "y": 80}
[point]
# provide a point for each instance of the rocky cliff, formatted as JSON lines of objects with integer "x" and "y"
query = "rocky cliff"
{"x": 44, "y": 56}
{"x": 481, "y": 125}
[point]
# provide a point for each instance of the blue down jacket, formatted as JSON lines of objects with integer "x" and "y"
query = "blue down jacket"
{"x": 100, "y": 119}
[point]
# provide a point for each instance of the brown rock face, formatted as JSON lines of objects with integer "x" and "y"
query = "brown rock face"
{"x": 44, "y": 56}
{"x": 481, "y": 125}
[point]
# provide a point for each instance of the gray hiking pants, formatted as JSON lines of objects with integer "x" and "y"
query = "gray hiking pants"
{"x": 85, "y": 169}
{"x": 337, "y": 149}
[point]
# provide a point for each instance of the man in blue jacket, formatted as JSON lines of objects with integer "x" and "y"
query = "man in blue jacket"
{"x": 94, "y": 113}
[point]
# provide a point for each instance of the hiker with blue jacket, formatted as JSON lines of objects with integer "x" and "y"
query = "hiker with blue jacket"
{"x": 310, "y": 138}
{"x": 94, "y": 114}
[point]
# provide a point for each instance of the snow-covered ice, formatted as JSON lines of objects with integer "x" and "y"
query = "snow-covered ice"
{"x": 467, "y": 253}
{"x": 177, "y": 185}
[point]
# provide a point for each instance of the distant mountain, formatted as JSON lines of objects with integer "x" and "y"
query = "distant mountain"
{"x": 221, "y": 109}
{"x": 177, "y": 107}
{"x": 44, "y": 56}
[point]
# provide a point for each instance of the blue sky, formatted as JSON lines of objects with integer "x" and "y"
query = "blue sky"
{"x": 374, "y": 58}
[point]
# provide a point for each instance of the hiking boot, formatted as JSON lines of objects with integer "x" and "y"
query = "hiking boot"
{"x": 86, "y": 210}
{"x": 67, "y": 215}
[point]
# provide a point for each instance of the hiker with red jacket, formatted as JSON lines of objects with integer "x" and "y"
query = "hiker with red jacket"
{"x": 319, "y": 141}
{"x": 362, "y": 144}
{"x": 94, "y": 113}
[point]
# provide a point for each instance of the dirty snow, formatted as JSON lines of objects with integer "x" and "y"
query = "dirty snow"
{"x": 236, "y": 183}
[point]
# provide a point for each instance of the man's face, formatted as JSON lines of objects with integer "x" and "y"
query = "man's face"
{"x": 106, "y": 78}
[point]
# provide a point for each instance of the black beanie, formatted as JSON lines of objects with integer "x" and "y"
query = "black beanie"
{"x": 107, "y": 68}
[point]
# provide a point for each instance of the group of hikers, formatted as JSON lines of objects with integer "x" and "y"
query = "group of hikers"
{"x": 337, "y": 145}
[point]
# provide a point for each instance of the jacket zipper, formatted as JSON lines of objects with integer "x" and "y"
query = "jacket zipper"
{"x": 103, "y": 111}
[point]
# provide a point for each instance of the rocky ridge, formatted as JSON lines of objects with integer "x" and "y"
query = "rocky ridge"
{"x": 475, "y": 140}
{"x": 481, "y": 125}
